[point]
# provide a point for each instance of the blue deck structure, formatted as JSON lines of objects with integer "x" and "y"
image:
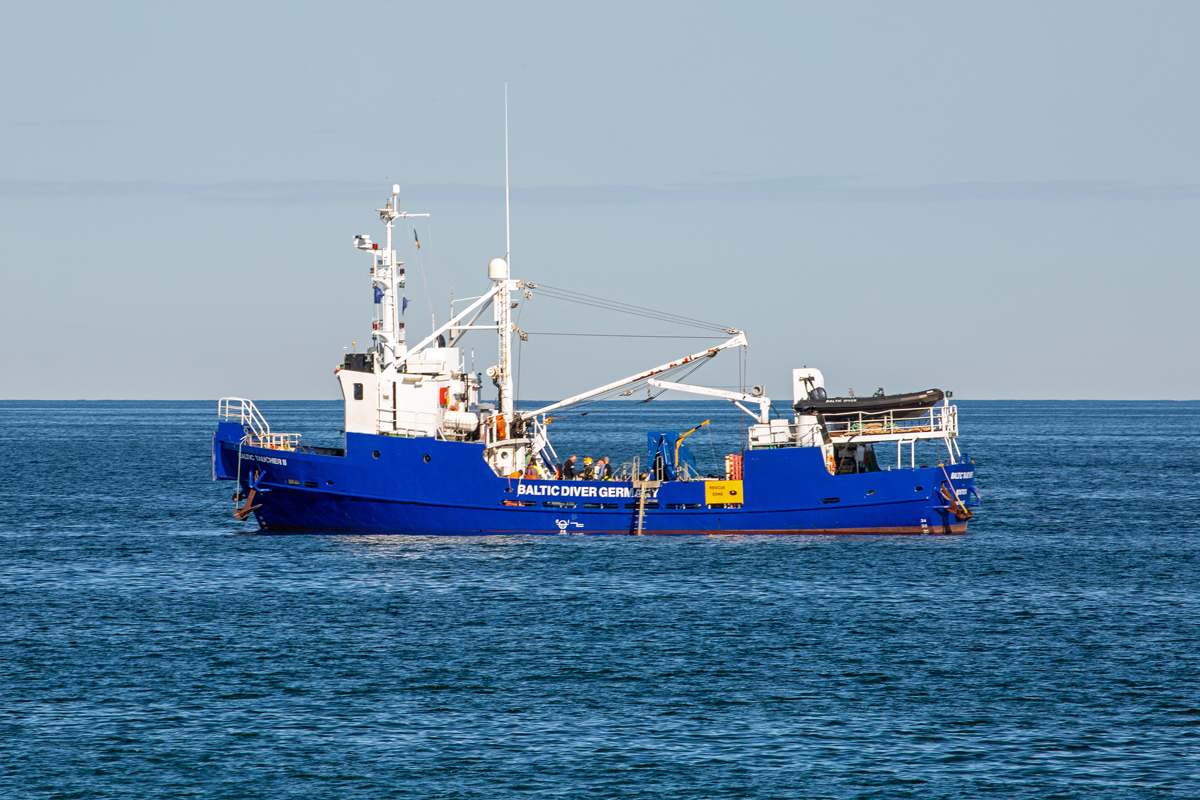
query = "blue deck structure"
{"x": 431, "y": 486}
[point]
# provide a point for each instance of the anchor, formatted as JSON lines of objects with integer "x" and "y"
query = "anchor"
{"x": 243, "y": 513}
{"x": 960, "y": 511}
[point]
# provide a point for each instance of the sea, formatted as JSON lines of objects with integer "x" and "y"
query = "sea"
{"x": 151, "y": 646}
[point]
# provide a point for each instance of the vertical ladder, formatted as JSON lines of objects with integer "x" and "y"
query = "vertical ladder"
{"x": 643, "y": 488}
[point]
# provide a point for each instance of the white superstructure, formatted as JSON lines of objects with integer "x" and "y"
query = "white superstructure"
{"x": 390, "y": 389}
{"x": 425, "y": 390}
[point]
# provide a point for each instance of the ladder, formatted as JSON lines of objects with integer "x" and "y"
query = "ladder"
{"x": 643, "y": 487}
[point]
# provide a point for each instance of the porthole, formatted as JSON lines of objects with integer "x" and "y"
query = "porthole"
{"x": 375, "y": 454}
{"x": 426, "y": 458}
{"x": 919, "y": 489}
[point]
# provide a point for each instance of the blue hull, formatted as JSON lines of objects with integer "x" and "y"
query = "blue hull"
{"x": 386, "y": 484}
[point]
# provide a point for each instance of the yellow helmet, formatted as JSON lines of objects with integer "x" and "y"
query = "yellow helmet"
{"x": 587, "y": 461}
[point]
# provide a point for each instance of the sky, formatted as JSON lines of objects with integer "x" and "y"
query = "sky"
{"x": 998, "y": 199}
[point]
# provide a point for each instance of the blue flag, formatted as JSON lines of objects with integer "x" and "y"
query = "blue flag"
{"x": 378, "y": 293}
{"x": 403, "y": 304}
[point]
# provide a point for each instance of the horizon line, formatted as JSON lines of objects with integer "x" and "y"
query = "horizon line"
{"x": 672, "y": 400}
{"x": 799, "y": 188}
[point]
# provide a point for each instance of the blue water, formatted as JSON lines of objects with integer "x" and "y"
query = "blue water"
{"x": 151, "y": 646}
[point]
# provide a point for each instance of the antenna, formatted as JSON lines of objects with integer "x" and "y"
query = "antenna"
{"x": 507, "y": 236}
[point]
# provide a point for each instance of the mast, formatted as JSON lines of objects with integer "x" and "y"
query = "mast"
{"x": 499, "y": 272}
{"x": 390, "y": 335}
{"x": 507, "y": 236}
{"x": 389, "y": 278}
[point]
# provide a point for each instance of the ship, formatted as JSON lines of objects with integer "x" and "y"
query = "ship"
{"x": 425, "y": 453}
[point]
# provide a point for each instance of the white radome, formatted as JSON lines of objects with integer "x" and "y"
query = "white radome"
{"x": 498, "y": 269}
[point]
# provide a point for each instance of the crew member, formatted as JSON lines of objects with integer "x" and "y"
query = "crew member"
{"x": 568, "y": 470}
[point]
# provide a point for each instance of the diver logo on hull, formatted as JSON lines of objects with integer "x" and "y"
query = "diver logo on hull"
{"x": 565, "y": 524}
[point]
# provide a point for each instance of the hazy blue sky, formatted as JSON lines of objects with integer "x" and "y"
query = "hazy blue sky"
{"x": 998, "y": 199}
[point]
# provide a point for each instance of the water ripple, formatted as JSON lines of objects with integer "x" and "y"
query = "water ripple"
{"x": 153, "y": 648}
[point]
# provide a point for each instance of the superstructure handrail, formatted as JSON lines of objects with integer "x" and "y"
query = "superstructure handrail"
{"x": 407, "y": 422}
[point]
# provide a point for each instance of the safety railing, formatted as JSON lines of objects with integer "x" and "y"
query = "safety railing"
{"x": 243, "y": 411}
{"x": 275, "y": 441}
{"x": 258, "y": 432}
{"x": 630, "y": 470}
{"x": 935, "y": 423}
{"x": 407, "y": 423}
{"x": 781, "y": 433}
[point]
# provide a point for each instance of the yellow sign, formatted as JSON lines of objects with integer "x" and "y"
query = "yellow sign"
{"x": 723, "y": 492}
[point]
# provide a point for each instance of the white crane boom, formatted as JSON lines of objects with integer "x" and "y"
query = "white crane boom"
{"x": 737, "y": 341}
{"x": 481, "y": 303}
{"x": 764, "y": 402}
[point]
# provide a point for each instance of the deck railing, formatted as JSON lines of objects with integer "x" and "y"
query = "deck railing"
{"x": 407, "y": 423}
{"x": 275, "y": 441}
{"x": 258, "y": 432}
{"x": 936, "y": 422}
{"x": 243, "y": 411}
